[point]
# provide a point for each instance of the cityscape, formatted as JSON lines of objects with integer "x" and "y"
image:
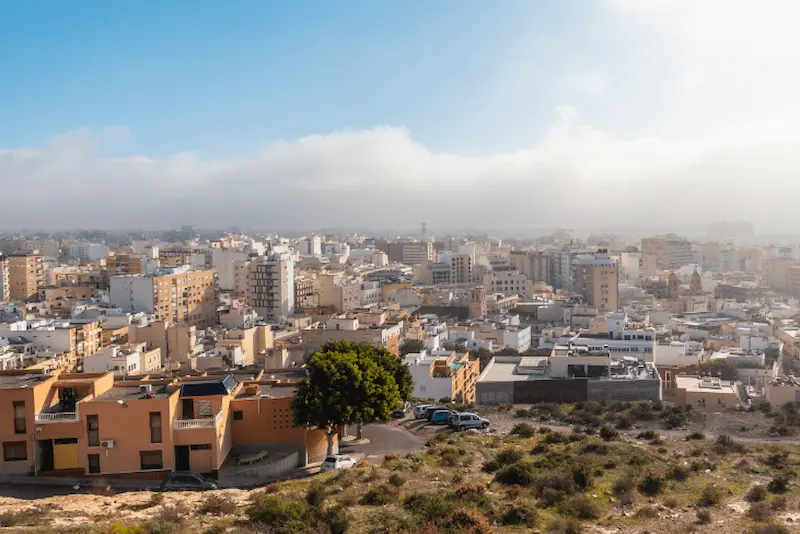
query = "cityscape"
{"x": 399, "y": 267}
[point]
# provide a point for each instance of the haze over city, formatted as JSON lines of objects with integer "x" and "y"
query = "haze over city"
{"x": 613, "y": 114}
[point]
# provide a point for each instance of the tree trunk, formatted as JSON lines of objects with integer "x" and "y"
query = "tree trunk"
{"x": 358, "y": 430}
{"x": 330, "y": 436}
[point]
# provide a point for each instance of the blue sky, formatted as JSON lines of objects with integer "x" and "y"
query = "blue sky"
{"x": 380, "y": 114}
{"x": 226, "y": 77}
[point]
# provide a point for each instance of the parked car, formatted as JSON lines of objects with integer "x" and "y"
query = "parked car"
{"x": 419, "y": 410}
{"x": 340, "y": 461}
{"x": 463, "y": 421}
{"x": 184, "y": 481}
{"x": 441, "y": 417}
{"x": 401, "y": 412}
{"x": 430, "y": 410}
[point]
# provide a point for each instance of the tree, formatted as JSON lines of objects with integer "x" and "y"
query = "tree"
{"x": 350, "y": 383}
{"x": 724, "y": 370}
{"x": 411, "y": 345}
{"x": 507, "y": 351}
{"x": 484, "y": 355}
{"x": 325, "y": 398}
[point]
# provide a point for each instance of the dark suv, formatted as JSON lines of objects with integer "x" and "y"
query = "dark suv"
{"x": 183, "y": 481}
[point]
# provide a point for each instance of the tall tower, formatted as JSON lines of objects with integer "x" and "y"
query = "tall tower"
{"x": 477, "y": 302}
{"x": 424, "y": 227}
{"x": 696, "y": 283}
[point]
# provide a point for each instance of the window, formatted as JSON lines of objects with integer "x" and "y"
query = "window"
{"x": 15, "y": 451}
{"x": 151, "y": 460}
{"x": 94, "y": 463}
{"x": 201, "y": 447}
{"x": 238, "y": 415}
{"x": 155, "y": 427}
{"x": 19, "y": 417}
{"x": 93, "y": 430}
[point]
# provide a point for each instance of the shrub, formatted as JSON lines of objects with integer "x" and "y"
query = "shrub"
{"x": 555, "y": 438}
{"x": 168, "y": 521}
{"x": 709, "y": 496}
{"x": 678, "y": 473}
{"x": 623, "y": 422}
{"x": 671, "y": 502}
{"x": 595, "y": 448}
{"x": 523, "y": 430}
{"x": 469, "y": 491}
{"x": 623, "y": 485}
{"x": 777, "y": 459}
{"x": 725, "y": 444}
{"x": 274, "y": 511}
{"x": 647, "y": 434}
{"x": 646, "y": 512}
{"x": 337, "y": 520}
{"x": 28, "y": 517}
{"x": 674, "y": 420}
{"x": 651, "y": 484}
{"x": 396, "y": 480}
{"x": 379, "y": 495}
{"x": 504, "y": 457}
{"x": 608, "y": 433}
{"x": 760, "y": 512}
{"x": 703, "y": 516}
{"x": 470, "y": 520}
{"x": 695, "y": 436}
{"x": 772, "y": 528}
{"x": 427, "y": 507}
{"x": 778, "y": 503}
{"x": 315, "y": 495}
{"x": 550, "y": 497}
{"x": 520, "y": 473}
{"x": 582, "y": 507}
{"x": 779, "y": 483}
{"x": 757, "y": 493}
{"x": 560, "y": 525}
{"x": 218, "y": 505}
{"x": 521, "y": 513}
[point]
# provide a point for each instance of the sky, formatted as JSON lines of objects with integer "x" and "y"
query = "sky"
{"x": 466, "y": 114}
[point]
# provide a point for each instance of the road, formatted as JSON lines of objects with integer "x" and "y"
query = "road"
{"x": 385, "y": 439}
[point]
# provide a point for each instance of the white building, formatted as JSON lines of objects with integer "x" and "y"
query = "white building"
{"x": 223, "y": 261}
{"x": 370, "y": 293}
{"x": 517, "y": 338}
{"x": 270, "y": 287}
{"x": 87, "y": 251}
{"x": 114, "y": 358}
{"x": 310, "y": 246}
{"x": 380, "y": 259}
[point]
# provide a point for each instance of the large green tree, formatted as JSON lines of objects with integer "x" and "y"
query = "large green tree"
{"x": 350, "y": 383}
{"x": 411, "y": 345}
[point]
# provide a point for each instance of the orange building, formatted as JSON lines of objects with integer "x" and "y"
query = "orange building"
{"x": 89, "y": 425}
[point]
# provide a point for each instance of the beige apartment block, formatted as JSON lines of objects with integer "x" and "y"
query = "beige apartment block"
{"x": 670, "y": 251}
{"x": 25, "y": 278}
{"x": 124, "y": 264}
{"x": 338, "y": 292}
{"x": 597, "y": 279}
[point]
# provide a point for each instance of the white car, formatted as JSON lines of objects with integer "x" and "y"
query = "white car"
{"x": 419, "y": 411}
{"x": 463, "y": 421}
{"x": 340, "y": 461}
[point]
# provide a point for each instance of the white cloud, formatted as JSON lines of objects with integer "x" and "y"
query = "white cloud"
{"x": 577, "y": 176}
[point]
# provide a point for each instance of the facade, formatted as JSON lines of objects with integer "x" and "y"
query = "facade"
{"x": 74, "y": 340}
{"x": 176, "y": 296}
{"x": 350, "y": 329}
{"x": 339, "y": 293}
{"x": 89, "y": 425}
{"x": 709, "y": 393}
{"x": 131, "y": 359}
{"x": 509, "y": 282}
{"x": 270, "y": 287}
{"x": 224, "y": 262}
{"x": 597, "y": 279}
{"x": 416, "y": 253}
{"x": 670, "y": 251}
{"x": 25, "y": 278}
{"x": 443, "y": 374}
{"x": 87, "y": 251}
{"x": 535, "y": 265}
{"x": 568, "y": 375}
{"x": 120, "y": 264}
{"x": 4, "y": 289}
{"x": 461, "y": 268}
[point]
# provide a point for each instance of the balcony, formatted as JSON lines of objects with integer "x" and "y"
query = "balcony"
{"x": 208, "y": 422}
{"x": 57, "y": 417}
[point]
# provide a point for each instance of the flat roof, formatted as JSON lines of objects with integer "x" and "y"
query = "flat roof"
{"x": 504, "y": 371}
{"x": 695, "y": 385}
{"x": 14, "y": 381}
{"x": 271, "y": 390}
{"x": 130, "y": 393}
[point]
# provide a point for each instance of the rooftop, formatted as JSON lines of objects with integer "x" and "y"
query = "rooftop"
{"x": 14, "y": 380}
{"x": 698, "y": 384}
{"x": 131, "y": 393}
{"x": 267, "y": 390}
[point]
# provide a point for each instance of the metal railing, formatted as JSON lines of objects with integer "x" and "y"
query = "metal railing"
{"x": 57, "y": 417}
{"x": 209, "y": 422}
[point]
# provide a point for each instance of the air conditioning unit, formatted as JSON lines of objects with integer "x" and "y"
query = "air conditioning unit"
{"x": 107, "y": 444}
{"x": 146, "y": 389}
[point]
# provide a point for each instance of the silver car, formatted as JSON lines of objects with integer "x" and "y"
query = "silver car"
{"x": 463, "y": 421}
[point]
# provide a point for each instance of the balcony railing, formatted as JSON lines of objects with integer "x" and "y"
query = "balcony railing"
{"x": 209, "y": 422}
{"x": 57, "y": 417}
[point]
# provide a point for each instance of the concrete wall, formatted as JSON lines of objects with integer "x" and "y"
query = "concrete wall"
{"x": 624, "y": 390}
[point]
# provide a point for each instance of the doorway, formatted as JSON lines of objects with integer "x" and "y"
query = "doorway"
{"x": 182, "y": 458}
{"x": 46, "y": 455}
{"x": 188, "y": 408}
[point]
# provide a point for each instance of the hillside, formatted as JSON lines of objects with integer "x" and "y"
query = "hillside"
{"x": 533, "y": 479}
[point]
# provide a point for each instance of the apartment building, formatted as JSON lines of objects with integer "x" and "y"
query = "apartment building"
{"x": 305, "y": 294}
{"x": 89, "y": 425}
{"x": 270, "y": 287}
{"x": 60, "y": 300}
{"x": 443, "y": 374}
{"x": 121, "y": 264}
{"x": 74, "y": 340}
{"x": 224, "y": 261}
{"x": 124, "y": 360}
{"x": 509, "y": 282}
{"x": 415, "y": 253}
{"x": 311, "y": 246}
{"x": 461, "y": 268}
{"x": 4, "y": 296}
{"x": 597, "y": 279}
{"x": 533, "y": 264}
{"x": 87, "y": 251}
{"x": 176, "y": 343}
{"x": 346, "y": 328}
{"x": 176, "y": 296}
{"x": 25, "y": 278}
{"x": 670, "y": 251}
{"x": 340, "y": 293}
